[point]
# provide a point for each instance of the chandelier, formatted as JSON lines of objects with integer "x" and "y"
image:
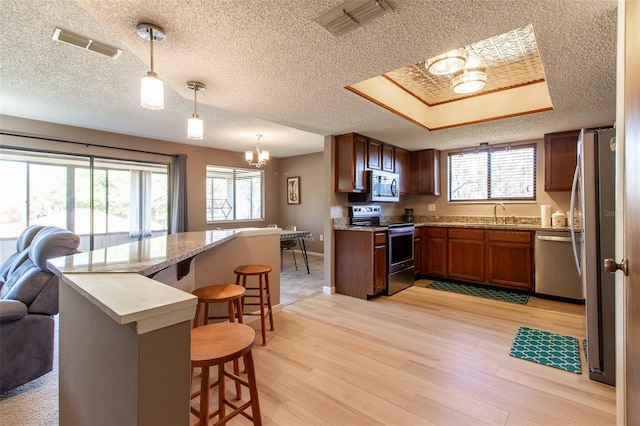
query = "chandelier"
{"x": 261, "y": 157}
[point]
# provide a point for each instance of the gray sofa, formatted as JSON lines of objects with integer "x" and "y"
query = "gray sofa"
{"x": 28, "y": 301}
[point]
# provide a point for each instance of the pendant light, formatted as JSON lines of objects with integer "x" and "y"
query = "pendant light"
{"x": 194, "y": 125}
{"x": 151, "y": 87}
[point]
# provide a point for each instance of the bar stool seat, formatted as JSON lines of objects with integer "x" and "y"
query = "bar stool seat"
{"x": 217, "y": 344}
{"x": 263, "y": 296}
{"x": 219, "y": 293}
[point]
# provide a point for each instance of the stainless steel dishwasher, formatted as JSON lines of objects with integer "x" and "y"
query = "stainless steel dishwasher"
{"x": 556, "y": 274}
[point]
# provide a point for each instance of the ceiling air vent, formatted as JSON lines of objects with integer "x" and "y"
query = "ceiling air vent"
{"x": 352, "y": 14}
{"x": 85, "y": 43}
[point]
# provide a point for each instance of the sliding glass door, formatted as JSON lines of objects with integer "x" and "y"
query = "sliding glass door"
{"x": 105, "y": 201}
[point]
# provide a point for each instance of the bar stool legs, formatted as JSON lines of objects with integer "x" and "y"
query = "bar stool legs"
{"x": 264, "y": 294}
{"x": 217, "y": 344}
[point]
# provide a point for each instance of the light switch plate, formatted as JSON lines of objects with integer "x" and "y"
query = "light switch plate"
{"x": 431, "y": 207}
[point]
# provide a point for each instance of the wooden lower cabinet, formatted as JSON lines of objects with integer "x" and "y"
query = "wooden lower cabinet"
{"x": 417, "y": 250}
{"x": 501, "y": 258}
{"x": 510, "y": 259}
{"x": 465, "y": 249}
{"x": 434, "y": 252}
{"x": 379, "y": 263}
{"x": 360, "y": 263}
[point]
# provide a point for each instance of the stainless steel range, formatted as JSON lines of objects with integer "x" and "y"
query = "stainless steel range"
{"x": 400, "y": 256}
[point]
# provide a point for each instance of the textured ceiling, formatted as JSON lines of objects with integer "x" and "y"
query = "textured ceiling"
{"x": 270, "y": 69}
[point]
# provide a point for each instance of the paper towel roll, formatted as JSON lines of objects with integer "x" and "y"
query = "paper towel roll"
{"x": 545, "y": 215}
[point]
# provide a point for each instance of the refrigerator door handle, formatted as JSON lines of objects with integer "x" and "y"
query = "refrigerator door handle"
{"x": 574, "y": 189}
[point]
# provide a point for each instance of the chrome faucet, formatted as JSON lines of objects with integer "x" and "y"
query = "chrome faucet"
{"x": 495, "y": 217}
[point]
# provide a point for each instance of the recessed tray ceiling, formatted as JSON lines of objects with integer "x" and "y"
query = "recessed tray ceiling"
{"x": 516, "y": 85}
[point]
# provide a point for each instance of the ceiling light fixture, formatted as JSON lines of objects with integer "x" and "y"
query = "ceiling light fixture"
{"x": 261, "y": 158}
{"x": 151, "y": 87}
{"x": 469, "y": 81}
{"x": 447, "y": 63}
{"x": 194, "y": 125}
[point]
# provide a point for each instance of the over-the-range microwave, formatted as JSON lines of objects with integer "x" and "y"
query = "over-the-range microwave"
{"x": 381, "y": 187}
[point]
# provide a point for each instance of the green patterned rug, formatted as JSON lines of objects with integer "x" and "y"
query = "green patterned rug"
{"x": 479, "y": 291}
{"x": 546, "y": 348}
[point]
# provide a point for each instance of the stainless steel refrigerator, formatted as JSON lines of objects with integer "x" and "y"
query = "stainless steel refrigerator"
{"x": 593, "y": 239}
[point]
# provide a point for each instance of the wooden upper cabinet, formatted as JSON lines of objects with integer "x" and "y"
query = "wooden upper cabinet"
{"x": 374, "y": 154}
{"x": 402, "y": 160}
{"x": 425, "y": 172}
{"x": 350, "y": 153}
{"x": 388, "y": 157}
{"x": 560, "y": 160}
{"x": 380, "y": 155}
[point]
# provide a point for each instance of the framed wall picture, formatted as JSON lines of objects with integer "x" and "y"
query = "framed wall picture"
{"x": 293, "y": 190}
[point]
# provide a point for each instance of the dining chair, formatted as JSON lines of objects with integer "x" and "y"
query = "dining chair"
{"x": 288, "y": 245}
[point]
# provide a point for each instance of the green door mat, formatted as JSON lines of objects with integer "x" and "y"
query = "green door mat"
{"x": 479, "y": 291}
{"x": 546, "y": 348}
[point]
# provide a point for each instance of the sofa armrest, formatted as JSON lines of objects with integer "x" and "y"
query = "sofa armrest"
{"x": 12, "y": 310}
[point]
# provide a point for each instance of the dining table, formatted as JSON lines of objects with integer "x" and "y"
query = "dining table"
{"x": 300, "y": 237}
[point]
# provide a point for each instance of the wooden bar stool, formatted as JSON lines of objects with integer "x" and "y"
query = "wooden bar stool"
{"x": 263, "y": 296}
{"x": 217, "y": 344}
{"x": 219, "y": 293}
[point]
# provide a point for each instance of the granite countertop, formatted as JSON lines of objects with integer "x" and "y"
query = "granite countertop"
{"x": 151, "y": 255}
{"x": 514, "y": 227}
{"x": 509, "y": 226}
{"x": 116, "y": 279}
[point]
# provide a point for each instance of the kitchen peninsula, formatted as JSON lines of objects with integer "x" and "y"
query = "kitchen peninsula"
{"x": 125, "y": 315}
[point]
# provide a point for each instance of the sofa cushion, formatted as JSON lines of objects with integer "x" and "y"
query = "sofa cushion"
{"x": 52, "y": 242}
{"x": 32, "y": 276}
{"x": 21, "y": 254}
{"x": 12, "y": 310}
{"x": 27, "y": 236}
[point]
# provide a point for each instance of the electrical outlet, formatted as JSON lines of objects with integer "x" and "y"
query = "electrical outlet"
{"x": 321, "y": 237}
{"x": 431, "y": 207}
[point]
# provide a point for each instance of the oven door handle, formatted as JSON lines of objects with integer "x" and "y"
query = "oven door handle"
{"x": 402, "y": 231}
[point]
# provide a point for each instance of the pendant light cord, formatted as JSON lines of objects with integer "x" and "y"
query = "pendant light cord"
{"x": 195, "y": 102}
{"x": 151, "y": 41}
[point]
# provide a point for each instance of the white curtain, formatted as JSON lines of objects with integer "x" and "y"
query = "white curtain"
{"x": 140, "y": 219}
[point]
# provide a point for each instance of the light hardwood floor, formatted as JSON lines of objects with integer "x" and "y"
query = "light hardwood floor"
{"x": 420, "y": 357}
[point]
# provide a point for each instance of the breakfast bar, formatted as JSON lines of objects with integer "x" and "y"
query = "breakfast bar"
{"x": 125, "y": 314}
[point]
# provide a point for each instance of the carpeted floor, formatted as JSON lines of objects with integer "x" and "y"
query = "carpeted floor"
{"x": 547, "y": 348}
{"x": 298, "y": 285}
